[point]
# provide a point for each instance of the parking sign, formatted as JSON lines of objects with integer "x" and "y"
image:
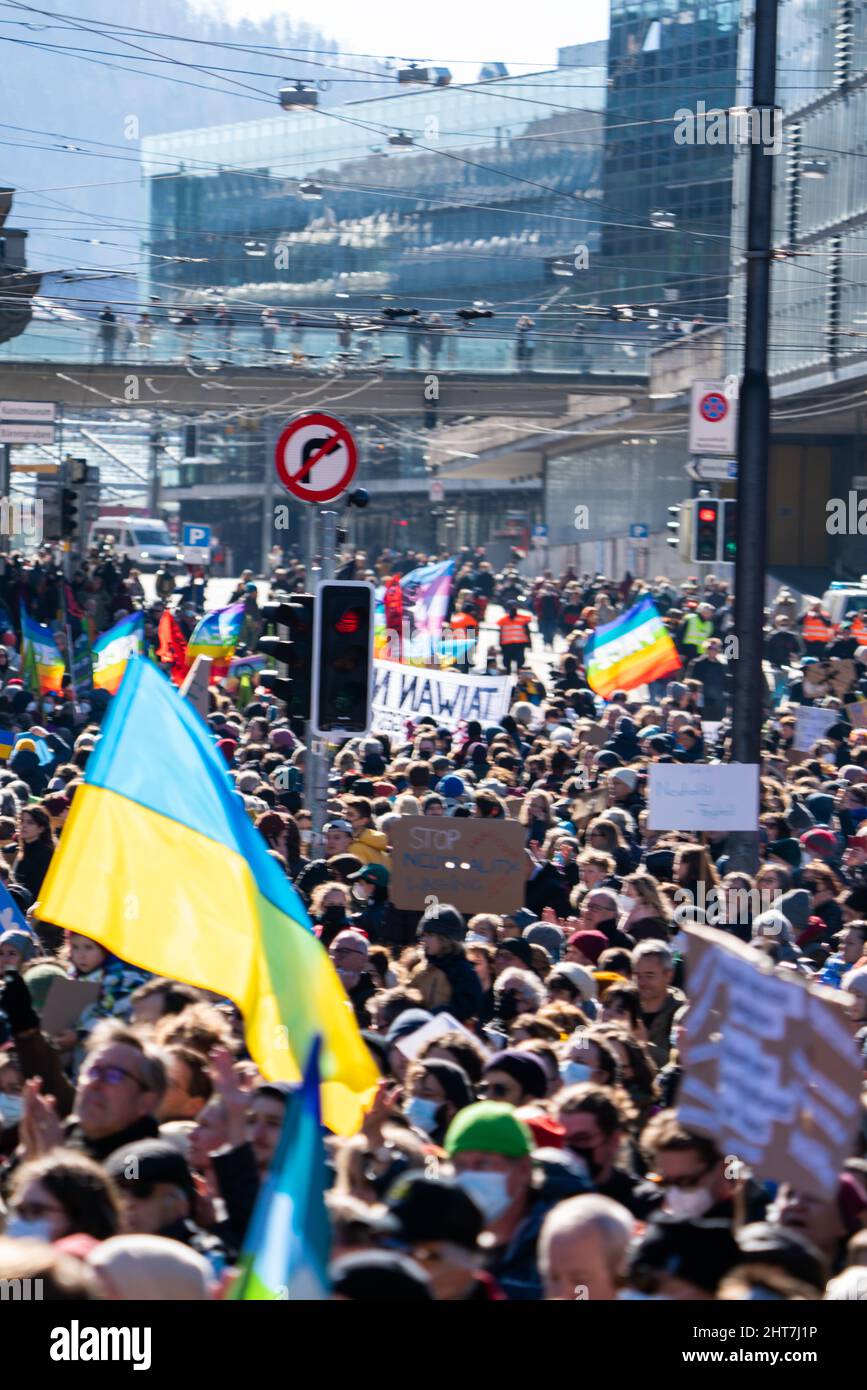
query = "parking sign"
{"x": 197, "y": 543}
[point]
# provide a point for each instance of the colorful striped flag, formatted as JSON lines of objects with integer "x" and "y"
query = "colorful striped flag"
{"x": 286, "y": 1247}
{"x": 113, "y": 650}
{"x": 634, "y": 649}
{"x": 41, "y": 663}
{"x": 160, "y": 864}
{"x": 216, "y": 635}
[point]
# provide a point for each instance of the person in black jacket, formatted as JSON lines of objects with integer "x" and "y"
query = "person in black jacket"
{"x": 37, "y": 848}
{"x": 446, "y": 979}
{"x": 349, "y": 953}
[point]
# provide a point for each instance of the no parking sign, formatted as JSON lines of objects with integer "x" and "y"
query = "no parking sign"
{"x": 713, "y": 418}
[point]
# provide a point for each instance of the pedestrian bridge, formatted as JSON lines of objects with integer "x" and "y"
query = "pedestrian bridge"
{"x": 475, "y": 372}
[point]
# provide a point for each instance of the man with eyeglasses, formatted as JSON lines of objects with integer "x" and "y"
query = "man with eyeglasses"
{"x": 120, "y": 1086}
{"x": 690, "y": 1180}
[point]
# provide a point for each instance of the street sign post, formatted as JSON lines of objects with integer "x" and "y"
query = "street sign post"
{"x": 713, "y": 419}
{"x": 638, "y": 531}
{"x": 712, "y": 470}
{"x": 436, "y": 490}
{"x": 196, "y": 543}
{"x": 316, "y": 458}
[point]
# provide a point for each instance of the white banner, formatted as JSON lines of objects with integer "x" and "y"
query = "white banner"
{"x": 404, "y": 693}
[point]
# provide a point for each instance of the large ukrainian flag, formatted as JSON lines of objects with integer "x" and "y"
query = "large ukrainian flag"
{"x": 160, "y": 864}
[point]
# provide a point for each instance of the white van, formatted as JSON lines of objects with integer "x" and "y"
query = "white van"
{"x": 144, "y": 540}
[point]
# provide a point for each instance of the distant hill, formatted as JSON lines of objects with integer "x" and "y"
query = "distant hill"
{"x": 80, "y": 81}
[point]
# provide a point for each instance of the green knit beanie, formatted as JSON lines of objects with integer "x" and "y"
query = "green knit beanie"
{"x": 488, "y": 1127}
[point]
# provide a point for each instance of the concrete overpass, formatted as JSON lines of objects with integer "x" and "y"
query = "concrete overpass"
{"x": 284, "y": 391}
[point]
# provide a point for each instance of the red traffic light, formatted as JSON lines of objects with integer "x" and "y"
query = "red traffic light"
{"x": 707, "y": 514}
{"x": 350, "y": 621}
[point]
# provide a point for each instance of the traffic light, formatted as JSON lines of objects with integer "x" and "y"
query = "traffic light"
{"x": 729, "y": 530}
{"x": 681, "y": 529}
{"x": 706, "y": 529}
{"x": 69, "y": 499}
{"x": 342, "y": 659}
{"x": 292, "y": 648}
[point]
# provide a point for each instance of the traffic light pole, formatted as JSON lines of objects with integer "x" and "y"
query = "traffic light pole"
{"x": 316, "y": 772}
{"x": 754, "y": 434}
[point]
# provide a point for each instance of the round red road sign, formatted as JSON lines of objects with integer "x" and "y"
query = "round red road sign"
{"x": 316, "y": 457}
{"x": 713, "y": 407}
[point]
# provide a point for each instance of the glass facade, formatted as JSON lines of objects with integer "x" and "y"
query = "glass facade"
{"x": 818, "y": 300}
{"x": 501, "y": 180}
{"x": 665, "y": 57}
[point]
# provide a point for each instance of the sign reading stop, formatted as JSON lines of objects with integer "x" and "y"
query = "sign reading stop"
{"x": 316, "y": 458}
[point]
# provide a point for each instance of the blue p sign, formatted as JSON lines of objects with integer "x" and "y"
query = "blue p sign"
{"x": 197, "y": 537}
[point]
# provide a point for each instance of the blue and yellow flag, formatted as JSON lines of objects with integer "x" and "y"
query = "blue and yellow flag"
{"x": 286, "y": 1246}
{"x": 160, "y": 864}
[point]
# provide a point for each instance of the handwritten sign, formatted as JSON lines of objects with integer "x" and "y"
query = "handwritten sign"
{"x": 771, "y": 1070}
{"x": 702, "y": 796}
{"x": 477, "y": 865}
{"x": 811, "y": 724}
{"x": 402, "y": 694}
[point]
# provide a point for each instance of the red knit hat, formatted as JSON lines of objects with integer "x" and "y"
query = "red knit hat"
{"x": 590, "y": 943}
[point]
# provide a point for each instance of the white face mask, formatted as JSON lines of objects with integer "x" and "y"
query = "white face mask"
{"x": 11, "y": 1110}
{"x": 422, "y": 1113}
{"x": 573, "y": 1072}
{"x": 687, "y": 1205}
{"x": 489, "y": 1191}
{"x": 19, "y": 1229}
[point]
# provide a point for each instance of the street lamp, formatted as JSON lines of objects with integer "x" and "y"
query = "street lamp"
{"x": 298, "y": 96}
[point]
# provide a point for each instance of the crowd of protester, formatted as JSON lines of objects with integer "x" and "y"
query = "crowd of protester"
{"x": 532, "y": 1148}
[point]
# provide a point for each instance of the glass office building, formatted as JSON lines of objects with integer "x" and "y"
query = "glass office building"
{"x": 445, "y": 195}
{"x": 665, "y": 57}
{"x": 818, "y": 313}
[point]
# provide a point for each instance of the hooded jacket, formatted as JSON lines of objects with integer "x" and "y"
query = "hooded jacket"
{"x": 371, "y": 847}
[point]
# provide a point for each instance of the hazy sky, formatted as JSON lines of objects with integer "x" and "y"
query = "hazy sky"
{"x": 448, "y": 30}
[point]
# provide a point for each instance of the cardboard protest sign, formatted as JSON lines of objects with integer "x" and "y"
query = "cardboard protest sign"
{"x": 196, "y": 684}
{"x": 593, "y": 734}
{"x": 402, "y": 694}
{"x": 770, "y": 1067}
{"x": 703, "y": 796}
{"x": 842, "y": 675}
{"x": 811, "y": 723}
{"x": 857, "y": 713}
{"x": 477, "y": 865}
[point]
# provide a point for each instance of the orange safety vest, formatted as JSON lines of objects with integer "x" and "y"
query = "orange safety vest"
{"x": 859, "y": 630}
{"x": 513, "y": 632}
{"x": 814, "y": 628}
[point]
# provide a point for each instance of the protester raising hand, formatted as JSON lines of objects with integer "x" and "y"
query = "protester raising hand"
{"x": 40, "y": 1128}
{"x": 235, "y": 1099}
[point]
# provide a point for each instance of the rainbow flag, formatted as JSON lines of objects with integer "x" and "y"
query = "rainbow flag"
{"x": 216, "y": 635}
{"x": 286, "y": 1246}
{"x": 41, "y": 662}
{"x": 114, "y": 648}
{"x": 634, "y": 649}
{"x": 159, "y": 863}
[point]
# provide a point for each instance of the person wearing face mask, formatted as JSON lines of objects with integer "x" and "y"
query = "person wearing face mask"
{"x": 373, "y": 914}
{"x": 349, "y": 956}
{"x": 688, "y": 1176}
{"x": 62, "y": 1194}
{"x": 491, "y": 1152}
{"x": 434, "y": 1093}
{"x": 329, "y": 911}
{"x": 595, "y": 1128}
